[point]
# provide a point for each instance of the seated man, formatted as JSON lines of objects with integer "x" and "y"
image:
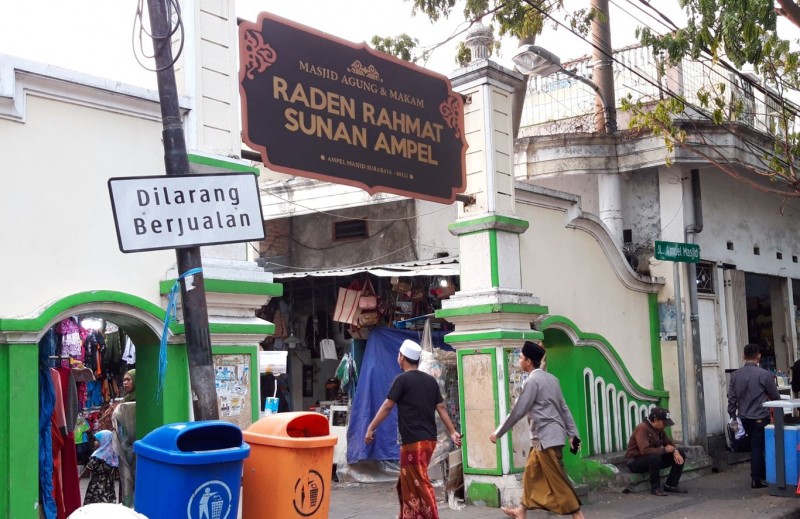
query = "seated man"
{"x": 650, "y": 450}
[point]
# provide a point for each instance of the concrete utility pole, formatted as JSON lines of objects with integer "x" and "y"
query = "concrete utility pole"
{"x": 605, "y": 118}
{"x": 193, "y": 294}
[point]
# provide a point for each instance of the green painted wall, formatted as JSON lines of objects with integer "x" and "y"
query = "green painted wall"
{"x": 173, "y": 406}
{"x": 19, "y": 422}
{"x": 19, "y": 388}
{"x": 567, "y": 362}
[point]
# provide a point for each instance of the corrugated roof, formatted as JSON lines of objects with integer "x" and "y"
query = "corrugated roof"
{"x": 432, "y": 267}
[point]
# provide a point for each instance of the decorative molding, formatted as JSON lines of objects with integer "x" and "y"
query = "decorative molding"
{"x": 575, "y": 218}
{"x": 21, "y": 78}
{"x": 582, "y": 339}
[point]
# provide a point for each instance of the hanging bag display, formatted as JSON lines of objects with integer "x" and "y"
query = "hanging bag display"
{"x": 346, "y": 310}
{"x": 368, "y": 318}
{"x": 368, "y": 300}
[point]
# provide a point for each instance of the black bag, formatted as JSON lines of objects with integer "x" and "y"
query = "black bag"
{"x": 796, "y": 377}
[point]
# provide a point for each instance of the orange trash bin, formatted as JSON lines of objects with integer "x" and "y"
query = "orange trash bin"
{"x": 288, "y": 473}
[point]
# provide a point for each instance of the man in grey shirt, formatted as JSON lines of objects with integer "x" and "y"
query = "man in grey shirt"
{"x": 545, "y": 482}
{"x": 750, "y": 387}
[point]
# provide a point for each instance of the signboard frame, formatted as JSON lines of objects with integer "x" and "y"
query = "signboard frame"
{"x": 317, "y": 106}
{"x": 677, "y": 251}
{"x": 162, "y": 199}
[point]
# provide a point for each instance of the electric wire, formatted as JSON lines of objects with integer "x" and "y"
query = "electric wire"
{"x": 343, "y": 217}
{"x": 176, "y": 27}
{"x": 751, "y": 145}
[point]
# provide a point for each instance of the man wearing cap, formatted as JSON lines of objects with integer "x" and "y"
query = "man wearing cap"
{"x": 545, "y": 482}
{"x": 751, "y": 386}
{"x": 418, "y": 398}
{"x": 650, "y": 450}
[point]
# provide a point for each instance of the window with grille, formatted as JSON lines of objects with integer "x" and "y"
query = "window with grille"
{"x": 705, "y": 278}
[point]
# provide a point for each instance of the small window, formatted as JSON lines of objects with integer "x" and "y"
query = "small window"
{"x": 350, "y": 230}
{"x": 794, "y": 258}
{"x": 779, "y": 255}
{"x": 705, "y": 278}
{"x": 730, "y": 245}
{"x": 757, "y": 251}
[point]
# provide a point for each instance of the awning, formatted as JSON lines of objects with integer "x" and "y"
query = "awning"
{"x": 433, "y": 267}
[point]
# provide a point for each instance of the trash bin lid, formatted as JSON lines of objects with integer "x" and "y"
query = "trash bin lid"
{"x": 194, "y": 443}
{"x": 296, "y": 430}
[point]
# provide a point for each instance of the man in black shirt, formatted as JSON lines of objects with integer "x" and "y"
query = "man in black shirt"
{"x": 750, "y": 387}
{"x": 418, "y": 399}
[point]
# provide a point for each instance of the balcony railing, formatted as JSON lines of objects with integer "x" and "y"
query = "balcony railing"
{"x": 560, "y": 104}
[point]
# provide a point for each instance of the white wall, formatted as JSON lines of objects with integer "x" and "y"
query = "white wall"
{"x": 58, "y": 227}
{"x": 569, "y": 264}
{"x": 735, "y": 212}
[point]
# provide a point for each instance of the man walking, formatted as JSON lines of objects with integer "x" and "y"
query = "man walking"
{"x": 418, "y": 398}
{"x": 545, "y": 482}
{"x": 650, "y": 450}
{"x": 750, "y": 387}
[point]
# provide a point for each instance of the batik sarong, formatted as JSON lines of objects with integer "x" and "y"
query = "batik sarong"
{"x": 414, "y": 489}
{"x": 546, "y": 485}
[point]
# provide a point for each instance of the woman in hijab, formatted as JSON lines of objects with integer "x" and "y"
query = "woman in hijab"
{"x": 129, "y": 385}
{"x": 103, "y": 466}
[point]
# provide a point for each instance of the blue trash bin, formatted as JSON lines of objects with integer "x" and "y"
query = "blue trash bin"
{"x": 191, "y": 470}
{"x": 791, "y": 457}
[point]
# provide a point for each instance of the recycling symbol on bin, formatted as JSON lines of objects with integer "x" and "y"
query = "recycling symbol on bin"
{"x": 211, "y": 500}
{"x": 308, "y": 493}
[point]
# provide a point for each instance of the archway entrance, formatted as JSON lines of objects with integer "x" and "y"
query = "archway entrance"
{"x": 22, "y": 362}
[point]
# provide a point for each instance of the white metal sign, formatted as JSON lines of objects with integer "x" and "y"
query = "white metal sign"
{"x": 172, "y": 212}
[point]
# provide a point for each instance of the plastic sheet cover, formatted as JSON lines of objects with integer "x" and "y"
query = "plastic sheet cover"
{"x": 378, "y": 370}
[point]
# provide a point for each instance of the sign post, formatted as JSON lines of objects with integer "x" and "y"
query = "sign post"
{"x": 193, "y": 293}
{"x": 679, "y": 253}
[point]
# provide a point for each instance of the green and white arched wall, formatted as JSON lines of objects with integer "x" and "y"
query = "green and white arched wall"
{"x": 143, "y": 321}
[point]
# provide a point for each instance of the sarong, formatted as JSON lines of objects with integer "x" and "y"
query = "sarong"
{"x": 546, "y": 485}
{"x": 414, "y": 489}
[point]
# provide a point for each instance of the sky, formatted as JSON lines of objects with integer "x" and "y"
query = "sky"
{"x": 95, "y": 36}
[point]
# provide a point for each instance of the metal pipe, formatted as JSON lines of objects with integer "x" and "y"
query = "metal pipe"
{"x": 694, "y": 312}
{"x": 681, "y": 354}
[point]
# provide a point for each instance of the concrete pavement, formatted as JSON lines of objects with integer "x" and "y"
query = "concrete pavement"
{"x": 724, "y": 495}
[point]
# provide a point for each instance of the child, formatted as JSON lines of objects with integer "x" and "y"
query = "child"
{"x": 103, "y": 466}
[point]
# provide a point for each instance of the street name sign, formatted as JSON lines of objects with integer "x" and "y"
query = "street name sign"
{"x": 317, "y": 106}
{"x": 674, "y": 251}
{"x": 173, "y": 212}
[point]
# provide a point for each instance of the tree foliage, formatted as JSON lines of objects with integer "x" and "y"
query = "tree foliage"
{"x": 742, "y": 32}
{"x": 522, "y": 19}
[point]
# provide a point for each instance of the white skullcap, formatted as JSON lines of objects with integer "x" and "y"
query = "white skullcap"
{"x": 410, "y": 349}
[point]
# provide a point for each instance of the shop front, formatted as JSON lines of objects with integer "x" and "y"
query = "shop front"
{"x": 335, "y": 324}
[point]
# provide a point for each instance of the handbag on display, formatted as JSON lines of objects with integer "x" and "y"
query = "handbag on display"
{"x": 368, "y": 318}
{"x": 368, "y": 300}
{"x": 403, "y": 287}
{"x": 346, "y": 310}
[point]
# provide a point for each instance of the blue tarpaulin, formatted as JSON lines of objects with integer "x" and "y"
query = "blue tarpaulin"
{"x": 378, "y": 370}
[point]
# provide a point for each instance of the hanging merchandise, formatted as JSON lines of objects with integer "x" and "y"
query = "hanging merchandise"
{"x": 129, "y": 355}
{"x": 346, "y": 310}
{"x": 368, "y": 300}
{"x": 346, "y": 372}
{"x": 70, "y": 338}
{"x": 368, "y": 318}
{"x": 328, "y": 348}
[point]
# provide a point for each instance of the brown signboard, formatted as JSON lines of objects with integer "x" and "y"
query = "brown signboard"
{"x": 317, "y": 106}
